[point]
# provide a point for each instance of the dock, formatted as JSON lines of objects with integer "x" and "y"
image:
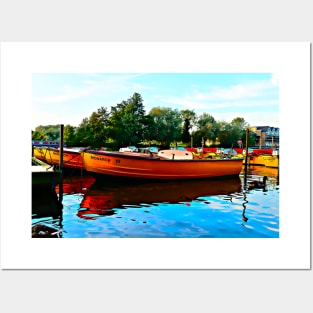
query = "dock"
{"x": 44, "y": 175}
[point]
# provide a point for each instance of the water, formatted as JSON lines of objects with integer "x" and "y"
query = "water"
{"x": 241, "y": 207}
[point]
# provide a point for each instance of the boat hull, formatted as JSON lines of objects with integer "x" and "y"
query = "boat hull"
{"x": 264, "y": 160}
{"x": 71, "y": 158}
{"x": 148, "y": 167}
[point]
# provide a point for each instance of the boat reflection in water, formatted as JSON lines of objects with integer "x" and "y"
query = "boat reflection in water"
{"x": 264, "y": 171}
{"x": 45, "y": 201}
{"x": 260, "y": 178}
{"x": 243, "y": 206}
{"x": 263, "y": 177}
{"x": 105, "y": 196}
{"x": 76, "y": 184}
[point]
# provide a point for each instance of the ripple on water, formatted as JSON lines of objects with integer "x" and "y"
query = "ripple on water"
{"x": 253, "y": 214}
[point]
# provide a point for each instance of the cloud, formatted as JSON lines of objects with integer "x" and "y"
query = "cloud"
{"x": 275, "y": 79}
{"x": 92, "y": 90}
{"x": 257, "y": 118}
{"x": 68, "y": 94}
{"x": 239, "y": 96}
{"x": 234, "y": 92}
{"x": 93, "y": 85}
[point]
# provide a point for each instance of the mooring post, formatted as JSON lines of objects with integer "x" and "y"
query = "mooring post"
{"x": 61, "y": 147}
{"x": 61, "y": 169}
{"x": 246, "y": 156}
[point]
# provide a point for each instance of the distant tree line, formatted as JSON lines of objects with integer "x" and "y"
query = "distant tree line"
{"x": 127, "y": 124}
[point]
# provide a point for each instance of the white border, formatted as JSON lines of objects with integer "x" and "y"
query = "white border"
{"x": 291, "y": 61}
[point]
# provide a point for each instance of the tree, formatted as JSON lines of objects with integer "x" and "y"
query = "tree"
{"x": 48, "y": 132}
{"x": 97, "y": 124}
{"x": 189, "y": 118}
{"x": 82, "y": 133}
{"x": 92, "y": 131}
{"x": 224, "y": 136}
{"x": 39, "y": 134}
{"x": 127, "y": 121}
{"x": 238, "y": 132}
{"x": 231, "y": 132}
{"x": 167, "y": 125}
{"x": 208, "y": 128}
{"x": 240, "y": 122}
{"x": 69, "y": 135}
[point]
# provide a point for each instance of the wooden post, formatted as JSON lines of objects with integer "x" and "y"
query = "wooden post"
{"x": 61, "y": 169}
{"x": 61, "y": 147}
{"x": 246, "y": 156}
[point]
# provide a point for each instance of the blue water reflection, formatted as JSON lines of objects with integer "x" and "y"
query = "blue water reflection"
{"x": 241, "y": 207}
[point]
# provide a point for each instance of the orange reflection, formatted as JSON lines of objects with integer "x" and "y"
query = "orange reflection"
{"x": 106, "y": 195}
{"x": 76, "y": 184}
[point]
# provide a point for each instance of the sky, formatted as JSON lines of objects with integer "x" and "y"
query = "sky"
{"x": 67, "y": 98}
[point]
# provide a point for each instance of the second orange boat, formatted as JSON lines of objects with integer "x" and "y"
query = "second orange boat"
{"x": 71, "y": 157}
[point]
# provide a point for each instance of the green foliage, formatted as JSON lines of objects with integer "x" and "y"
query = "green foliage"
{"x": 82, "y": 133}
{"x": 127, "y": 121}
{"x": 167, "y": 125}
{"x": 208, "y": 128}
{"x": 69, "y": 135}
{"x": 230, "y": 133}
{"x": 225, "y": 136}
{"x": 128, "y": 124}
{"x": 49, "y": 132}
{"x": 189, "y": 118}
{"x": 97, "y": 127}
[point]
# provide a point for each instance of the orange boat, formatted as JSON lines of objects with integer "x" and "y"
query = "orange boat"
{"x": 169, "y": 164}
{"x": 71, "y": 157}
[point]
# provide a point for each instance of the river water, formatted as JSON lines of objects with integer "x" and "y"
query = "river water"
{"x": 242, "y": 207}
